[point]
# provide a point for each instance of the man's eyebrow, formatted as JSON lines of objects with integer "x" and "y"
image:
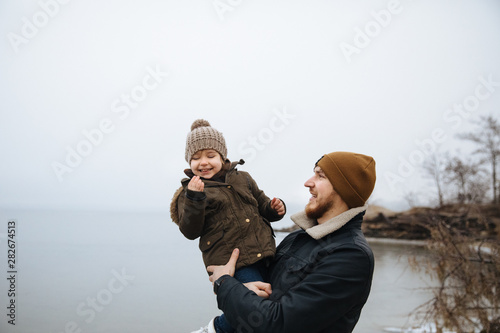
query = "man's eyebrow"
{"x": 319, "y": 171}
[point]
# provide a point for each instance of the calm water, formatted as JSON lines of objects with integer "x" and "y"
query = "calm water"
{"x": 108, "y": 272}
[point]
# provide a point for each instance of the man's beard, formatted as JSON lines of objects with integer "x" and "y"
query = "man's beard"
{"x": 320, "y": 209}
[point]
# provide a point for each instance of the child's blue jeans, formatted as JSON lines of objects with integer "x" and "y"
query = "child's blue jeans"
{"x": 245, "y": 274}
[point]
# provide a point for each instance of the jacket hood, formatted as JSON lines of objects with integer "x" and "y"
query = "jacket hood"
{"x": 174, "y": 212}
{"x": 318, "y": 231}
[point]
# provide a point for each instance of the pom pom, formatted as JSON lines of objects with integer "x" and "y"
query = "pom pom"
{"x": 200, "y": 123}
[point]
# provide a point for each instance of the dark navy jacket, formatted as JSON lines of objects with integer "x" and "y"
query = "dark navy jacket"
{"x": 319, "y": 285}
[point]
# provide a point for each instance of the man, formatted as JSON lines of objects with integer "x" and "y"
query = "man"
{"x": 321, "y": 275}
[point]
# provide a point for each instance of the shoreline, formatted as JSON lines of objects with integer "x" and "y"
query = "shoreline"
{"x": 396, "y": 241}
{"x": 379, "y": 240}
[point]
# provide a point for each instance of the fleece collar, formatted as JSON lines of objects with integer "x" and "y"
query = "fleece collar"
{"x": 318, "y": 231}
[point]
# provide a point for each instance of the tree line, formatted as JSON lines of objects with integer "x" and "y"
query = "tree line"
{"x": 463, "y": 179}
{"x": 465, "y": 263}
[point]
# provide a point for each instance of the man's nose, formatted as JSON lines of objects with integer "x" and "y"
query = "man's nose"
{"x": 309, "y": 183}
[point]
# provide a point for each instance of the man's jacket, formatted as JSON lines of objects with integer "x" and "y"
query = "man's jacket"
{"x": 320, "y": 277}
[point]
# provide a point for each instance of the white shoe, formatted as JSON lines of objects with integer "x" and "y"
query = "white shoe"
{"x": 210, "y": 328}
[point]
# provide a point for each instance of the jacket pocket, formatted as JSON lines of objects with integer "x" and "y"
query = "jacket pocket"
{"x": 209, "y": 240}
{"x": 289, "y": 274}
{"x": 268, "y": 224}
{"x": 295, "y": 271}
{"x": 294, "y": 265}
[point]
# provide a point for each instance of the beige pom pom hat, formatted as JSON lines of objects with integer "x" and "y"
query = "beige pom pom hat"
{"x": 203, "y": 136}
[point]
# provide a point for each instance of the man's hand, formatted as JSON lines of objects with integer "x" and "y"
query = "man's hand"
{"x": 278, "y": 206}
{"x": 196, "y": 184}
{"x": 262, "y": 289}
{"x": 229, "y": 268}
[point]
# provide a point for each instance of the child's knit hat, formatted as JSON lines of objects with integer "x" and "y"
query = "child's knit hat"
{"x": 352, "y": 175}
{"x": 204, "y": 136}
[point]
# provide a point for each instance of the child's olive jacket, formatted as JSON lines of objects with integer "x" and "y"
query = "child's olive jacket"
{"x": 228, "y": 214}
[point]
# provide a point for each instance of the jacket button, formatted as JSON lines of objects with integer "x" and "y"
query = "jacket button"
{"x": 259, "y": 255}
{"x": 247, "y": 220}
{"x": 208, "y": 243}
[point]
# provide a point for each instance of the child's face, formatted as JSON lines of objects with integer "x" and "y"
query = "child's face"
{"x": 206, "y": 163}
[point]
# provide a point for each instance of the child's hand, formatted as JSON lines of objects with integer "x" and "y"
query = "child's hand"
{"x": 196, "y": 184}
{"x": 278, "y": 206}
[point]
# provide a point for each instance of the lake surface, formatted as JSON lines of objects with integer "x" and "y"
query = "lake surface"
{"x": 135, "y": 272}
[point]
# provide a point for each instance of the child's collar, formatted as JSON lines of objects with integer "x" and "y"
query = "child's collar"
{"x": 228, "y": 166}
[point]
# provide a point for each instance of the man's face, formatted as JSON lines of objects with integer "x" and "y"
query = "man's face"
{"x": 322, "y": 194}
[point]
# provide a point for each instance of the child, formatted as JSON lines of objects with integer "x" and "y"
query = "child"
{"x": 225, "y": 208}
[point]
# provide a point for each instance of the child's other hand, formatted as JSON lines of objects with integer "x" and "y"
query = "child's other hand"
{"x": 278, "y": 206}
{"x": 196, "y": 184}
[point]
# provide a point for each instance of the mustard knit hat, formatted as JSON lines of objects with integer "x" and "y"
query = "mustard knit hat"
{"x": 203, "y": 136}
{"x": 352, "y": 176}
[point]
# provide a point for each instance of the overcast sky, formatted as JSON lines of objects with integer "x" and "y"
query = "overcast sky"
{"x": 96, "y": 98}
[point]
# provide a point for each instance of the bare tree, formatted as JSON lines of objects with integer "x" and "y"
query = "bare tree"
{"x": 487, "y": 136}
{"x": 467, "y": 268}
{"x": 434, "y": 168}
{"x": 411, "y": 198}
{"x": 466, "y": 177}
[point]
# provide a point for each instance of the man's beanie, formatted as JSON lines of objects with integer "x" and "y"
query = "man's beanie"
{"x": 203, "y": 136}
{"x": 352, "y": 176}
